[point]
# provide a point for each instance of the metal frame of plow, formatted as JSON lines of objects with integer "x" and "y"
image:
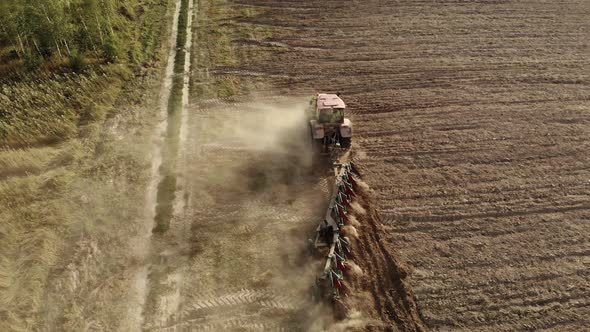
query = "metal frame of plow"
{"x": 329, "y": 235}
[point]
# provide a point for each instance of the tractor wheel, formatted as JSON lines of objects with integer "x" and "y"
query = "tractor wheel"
{"x": 345, "y": 142}
{"x": 317, "y": 145}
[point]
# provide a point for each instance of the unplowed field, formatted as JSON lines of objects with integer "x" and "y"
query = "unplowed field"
{"x": 472, "y": 126}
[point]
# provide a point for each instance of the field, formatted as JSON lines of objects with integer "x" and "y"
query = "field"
{"x": 472, "y": 127}
{"x": 191, "y": 210}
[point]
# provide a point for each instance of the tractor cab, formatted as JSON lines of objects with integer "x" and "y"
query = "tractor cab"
{"x": 328, "y": 108}
{"x": 331, "y": 115}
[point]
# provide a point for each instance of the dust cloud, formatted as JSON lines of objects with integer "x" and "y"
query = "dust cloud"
{"x": 350, "y": 231}
{"x": 354, "y": 221}
{"x": 254, "y": 194}
{"x": 357, "y": 208}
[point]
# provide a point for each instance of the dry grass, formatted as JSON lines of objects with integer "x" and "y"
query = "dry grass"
{"x": 66, "y": 183}
{"x": 46, "y": 108}
{"x": 47, "y": 275}
{"x": 23, "y": 162}
{"x": 33, "y": 219}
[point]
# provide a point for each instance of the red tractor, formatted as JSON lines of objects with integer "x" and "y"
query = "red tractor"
{"x": 329, "y": 128}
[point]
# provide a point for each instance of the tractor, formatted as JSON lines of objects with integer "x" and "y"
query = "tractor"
{"x": 328, "y": 126}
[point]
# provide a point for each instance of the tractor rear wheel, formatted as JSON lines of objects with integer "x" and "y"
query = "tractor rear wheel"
{"x": 317, "y": 145}
{"x": 345, "y": 142}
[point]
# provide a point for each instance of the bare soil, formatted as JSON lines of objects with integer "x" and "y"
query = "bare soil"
{"x": 472, "y": 127}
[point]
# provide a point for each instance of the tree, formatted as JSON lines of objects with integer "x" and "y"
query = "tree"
{"x": 46, "y": 29}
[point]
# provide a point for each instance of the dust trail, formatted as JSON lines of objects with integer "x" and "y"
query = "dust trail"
{"x": 253, "y": 206}
{"x": 358, "y": 209}
{"x": 139, "y": 281}
{"x": 354, "y": 268}
{"x": 355, "y": 321}
{"x": 350, "y": 231}
{"x": 354, "y": 221}
{"x": 365, "y": 189}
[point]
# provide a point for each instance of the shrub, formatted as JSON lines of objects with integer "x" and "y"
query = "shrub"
{"x": 111, "y": 50}
{"x": 77, "y": 62}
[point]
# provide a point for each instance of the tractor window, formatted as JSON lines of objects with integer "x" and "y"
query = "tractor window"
{"x": 331, "y": 115}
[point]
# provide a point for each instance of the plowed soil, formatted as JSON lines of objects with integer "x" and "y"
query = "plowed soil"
{"x": 472, "y": 126}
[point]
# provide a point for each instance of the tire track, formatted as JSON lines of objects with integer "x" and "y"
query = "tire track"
{"x": 165, "y": 274}
{"x": 230, "y": 324}
{"x": 265, "y": 298}
{"x": 143, "y": 246}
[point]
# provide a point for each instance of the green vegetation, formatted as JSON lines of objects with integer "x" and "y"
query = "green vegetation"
{"x": 46, "y": 108}
{"x": 36, "y": 31}
{"x": 74, "y": 154}
{"x": 52, "y": 103}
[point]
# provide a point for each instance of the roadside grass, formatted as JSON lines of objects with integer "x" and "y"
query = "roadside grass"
{"x": 83, "y": 194}
{"x": 32, "y": 223}
{"x": 19, "y": 162}
{"x": 71, "y": 189}
{"x": 109, "y": 202}
{"x": 43, "y": 108}
{"x": 48, "y": 223}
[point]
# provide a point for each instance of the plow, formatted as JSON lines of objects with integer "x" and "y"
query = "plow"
{"x": 331, "y": 241}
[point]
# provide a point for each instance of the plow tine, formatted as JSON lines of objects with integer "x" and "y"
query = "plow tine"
{"x": 345, "y": 201}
